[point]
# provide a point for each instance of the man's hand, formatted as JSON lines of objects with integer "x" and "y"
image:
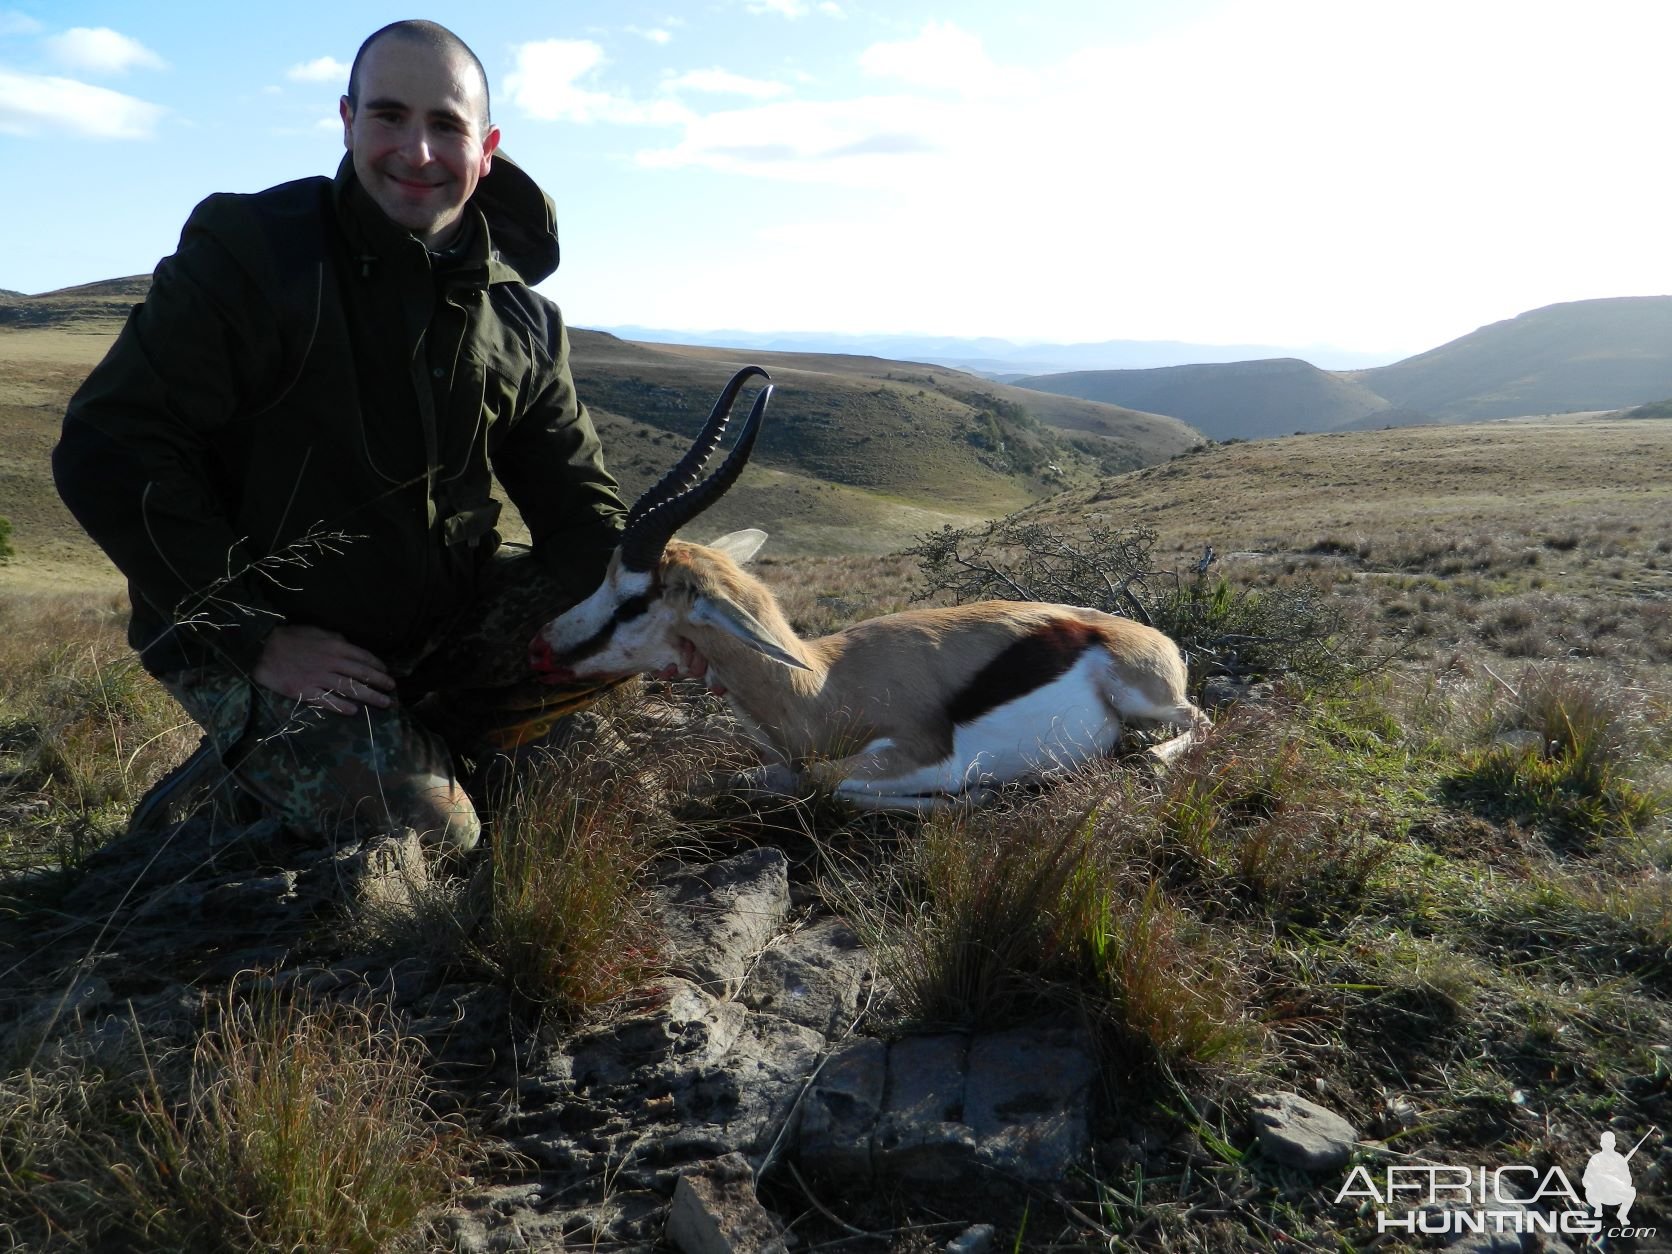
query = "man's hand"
{"x": 322, "y": 668}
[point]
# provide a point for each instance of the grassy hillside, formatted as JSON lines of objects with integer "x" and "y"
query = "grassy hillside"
{"x": 1544, "y": 539}
{"x": 1583, "y": 355}
{"x": 1655, "y": 409}
{"x": 858, "y": 454}
{"x": 87, "y": 305}
{"x": 1247, "y": 400}
{"x": 867, "y": 422}
{"x": 1435, "y": 484}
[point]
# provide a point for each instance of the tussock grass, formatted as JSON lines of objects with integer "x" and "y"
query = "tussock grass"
{"x": 1563, "y": 761}
{"x": 288, "y": 1126}
{"x": 996, "y": 922}
{"x": 571, "y": 926}
{"x": 301, "y": 1129}
{"x": 1257, "y": 816}
{"x": 983, "y": 928}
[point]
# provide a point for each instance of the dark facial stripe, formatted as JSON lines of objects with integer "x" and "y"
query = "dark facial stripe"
{"x": 1028, "y": 663}
{"x": 633, "y": 607}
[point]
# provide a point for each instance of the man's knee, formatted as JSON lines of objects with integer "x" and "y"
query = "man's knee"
{"x": 443, "y": 815}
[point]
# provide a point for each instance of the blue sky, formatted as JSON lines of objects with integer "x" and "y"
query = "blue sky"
{"x": 1378, "y": 176}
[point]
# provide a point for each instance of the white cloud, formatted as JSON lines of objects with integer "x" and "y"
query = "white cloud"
{"x": 794, "y": 8}
{"x": 319, "y": 70}
{"x": 37, "y": 104}
{"x": 720, "y": 82}
{"x": 14, "y": 23}
{"x": 546, "y": 81}
{"x": 658, "y": 35}
{"x": 548, "y": 84}
{"x": 943, "y": 56}
{"x": 785, "y": 8}
{"x": 862, "y": 142}
{"x": 100, "y": 50}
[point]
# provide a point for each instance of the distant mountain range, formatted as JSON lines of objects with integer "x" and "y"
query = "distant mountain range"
{"x": 1578, "y": 356}
{"x": 1004, "y": 360}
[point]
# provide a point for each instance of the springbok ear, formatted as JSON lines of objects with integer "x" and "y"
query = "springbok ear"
{"x": 740, "y": 546}
{"x": 734, "y": 620}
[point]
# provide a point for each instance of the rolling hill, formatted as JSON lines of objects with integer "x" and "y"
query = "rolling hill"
{"x": 1581, "y": 356}
{"x": 1247, "y": 400}
{"x": 859, "y": 455}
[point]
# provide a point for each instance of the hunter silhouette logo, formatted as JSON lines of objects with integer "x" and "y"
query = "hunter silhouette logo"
{"x": 1607, "y": 1177}
{"x": 1442, "y": 1199}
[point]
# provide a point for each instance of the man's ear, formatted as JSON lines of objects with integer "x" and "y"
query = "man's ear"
{"x": 346, "y": 112}
{"x": 490, "y": 143}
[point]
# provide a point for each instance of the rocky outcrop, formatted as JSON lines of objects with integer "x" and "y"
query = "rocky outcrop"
{"x": 750, "y": 1055}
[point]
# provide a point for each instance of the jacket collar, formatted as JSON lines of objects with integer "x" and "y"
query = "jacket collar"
{"x": 513, "y": 236}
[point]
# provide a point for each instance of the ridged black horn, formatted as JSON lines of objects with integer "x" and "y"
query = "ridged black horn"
{"x": 684, "y": 476}
{"x": 676, "y": 500}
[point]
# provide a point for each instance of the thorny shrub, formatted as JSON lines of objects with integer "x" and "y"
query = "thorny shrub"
{"x": 1224, "y": 628}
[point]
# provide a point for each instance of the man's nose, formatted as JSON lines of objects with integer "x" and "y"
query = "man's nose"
{"x": 415, "y": 145}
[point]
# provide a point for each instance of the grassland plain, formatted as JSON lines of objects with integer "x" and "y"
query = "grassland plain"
{"x": 1437, "y": 898}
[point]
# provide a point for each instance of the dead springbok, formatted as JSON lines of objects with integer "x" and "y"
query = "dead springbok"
{"x": 907, "y": 711}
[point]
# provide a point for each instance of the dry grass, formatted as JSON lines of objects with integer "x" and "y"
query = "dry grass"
{"x": 287, "y": 1127}
{"x": 83, "y": 729}
{"x": 571, "y": 926}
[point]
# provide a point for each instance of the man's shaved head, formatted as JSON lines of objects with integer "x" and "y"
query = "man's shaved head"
{"x": 432, "y": 35}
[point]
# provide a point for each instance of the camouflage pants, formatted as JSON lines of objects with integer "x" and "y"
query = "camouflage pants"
{"x": 337, "y": 775}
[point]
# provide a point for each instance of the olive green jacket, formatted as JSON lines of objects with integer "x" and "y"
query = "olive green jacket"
{"x": 297, "y": 424}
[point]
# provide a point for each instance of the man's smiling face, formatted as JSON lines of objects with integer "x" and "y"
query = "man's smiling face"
{"x": 419, "y": 135}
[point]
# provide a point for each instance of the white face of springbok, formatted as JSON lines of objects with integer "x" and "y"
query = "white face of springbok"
{"x": 654, "y": 590}
{"x": 634, "y": 622}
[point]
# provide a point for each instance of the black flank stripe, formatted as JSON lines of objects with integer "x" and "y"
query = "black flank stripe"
{"x": 1028, "y": 663}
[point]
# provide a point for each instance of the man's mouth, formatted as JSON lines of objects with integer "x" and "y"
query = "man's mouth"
{"x": 414, "y": 185}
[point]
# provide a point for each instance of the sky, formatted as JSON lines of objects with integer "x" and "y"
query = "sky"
{"x": 1379, "y": 176}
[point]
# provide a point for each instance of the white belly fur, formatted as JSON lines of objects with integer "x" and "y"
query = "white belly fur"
{"x": 1052, "y": 728}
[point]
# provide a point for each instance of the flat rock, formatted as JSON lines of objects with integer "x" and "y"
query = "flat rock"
{"x": 1026, "y": 1098}
{"x": 715, "y": 1211}
{"x": 719, "y": 917}
{"x": 841, "y": 1112}
{"x": 921, "y": 1136}
{"x": 1299, "y": 1133}
{"x": 813, "y": 977}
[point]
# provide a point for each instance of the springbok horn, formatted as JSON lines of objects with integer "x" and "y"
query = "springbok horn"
{"x": 684, "y": 476}
{"x": 645, "y": 538}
